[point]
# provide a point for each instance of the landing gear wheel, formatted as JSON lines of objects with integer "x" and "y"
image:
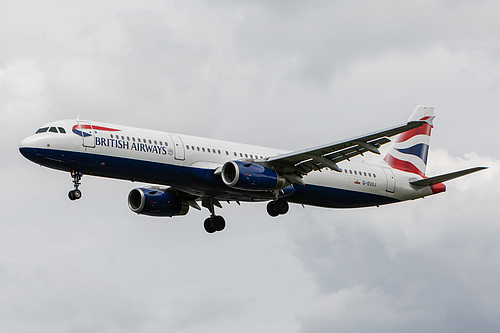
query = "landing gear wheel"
{"x": 209, "y": 225}
{"x": 271, "y": 209}
{"x": 281, "y": 206}
{"x": 214, "y": 223}
{"x": 219, "y": 223}
{"x": 278, "y": 207}
{"x": 75, "y": 194}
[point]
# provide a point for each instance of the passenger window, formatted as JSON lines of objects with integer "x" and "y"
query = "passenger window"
{"x": 369, "y": 174}
{"x": 350, "y": 171}
{"x": 123, "y": 138}
{"x": 227, "y": 153}
{"x": 219, "y": 151}
{"x": 203, "y": 149}
{"x": 198, "y": 148}
{"x": 374, "y": 176}
{"x": 111, "y": 136}
{"x": 365, "y": 174}
{"x": 156, "y": 142}
{"x": 133, "y": 138}
{"x": 150, "y": 142}
{"x": 128, "y": 138}
{"x": 355, "y": 172}
{"x": 187, "y": 147}
{"x": 61, "y": 130}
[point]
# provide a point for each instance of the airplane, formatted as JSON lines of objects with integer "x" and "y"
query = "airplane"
{"x": 188, "y": 170}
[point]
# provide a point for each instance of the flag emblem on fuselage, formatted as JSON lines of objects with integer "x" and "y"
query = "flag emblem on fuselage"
{"x": 86, "y": 130}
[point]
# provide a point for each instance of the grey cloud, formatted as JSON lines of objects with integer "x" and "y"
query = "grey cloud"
{"x": 289, "y": 75}
{"x": 415, "y": 266}
{"x": 324, "y": 38}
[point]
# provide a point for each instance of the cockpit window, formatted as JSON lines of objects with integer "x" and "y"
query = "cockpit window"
{"x": 51, "y": 130}
{"x": 42, "y": 130}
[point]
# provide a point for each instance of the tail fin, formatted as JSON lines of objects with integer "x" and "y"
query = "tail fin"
{"x": 409, "y": 151}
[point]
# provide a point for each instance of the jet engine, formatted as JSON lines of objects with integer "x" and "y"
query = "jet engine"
{"x": 251, "y": 176}
{"x": 153, "y": 202}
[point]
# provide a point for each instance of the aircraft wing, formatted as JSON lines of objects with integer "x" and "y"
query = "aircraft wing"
{"x": 298, "y": 163}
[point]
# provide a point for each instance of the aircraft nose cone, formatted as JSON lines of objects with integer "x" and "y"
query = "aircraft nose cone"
{"x": 27, "y": 147}
{"x": 26, "y": 142}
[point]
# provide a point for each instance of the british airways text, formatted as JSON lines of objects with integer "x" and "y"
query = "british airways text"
{"x": 121, "y": 144}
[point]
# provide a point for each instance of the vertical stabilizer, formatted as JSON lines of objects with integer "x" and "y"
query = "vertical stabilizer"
{"x": 409, "y": 151}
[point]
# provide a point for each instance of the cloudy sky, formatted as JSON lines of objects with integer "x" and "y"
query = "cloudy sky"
{"x": 288, "y": 74}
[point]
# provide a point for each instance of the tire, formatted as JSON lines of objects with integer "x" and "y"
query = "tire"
{"x": 281, "y": 206}
{"x": 271, "y": 209}
{"x": 71, "y": 195}
{"x": 208, "y": 226}
{"x": 77, "y": 194}
{"x": 219, "y": 223}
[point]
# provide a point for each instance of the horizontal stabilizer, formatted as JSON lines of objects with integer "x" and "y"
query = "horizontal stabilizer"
{"x": 445, "y": 177}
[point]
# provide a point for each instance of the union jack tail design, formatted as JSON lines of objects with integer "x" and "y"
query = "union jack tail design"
{"x": 409, "y": 151}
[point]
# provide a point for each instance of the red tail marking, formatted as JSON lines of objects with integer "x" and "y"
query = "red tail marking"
{"x": 402, "y": 165}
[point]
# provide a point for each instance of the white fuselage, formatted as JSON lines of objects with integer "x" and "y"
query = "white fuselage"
{"x": 190, "y": 164}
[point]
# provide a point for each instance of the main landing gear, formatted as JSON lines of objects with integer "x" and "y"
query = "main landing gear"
{"x": 76, "y": 193}
{"x": 277, "y": 207}
{"x": 214, "y": 222}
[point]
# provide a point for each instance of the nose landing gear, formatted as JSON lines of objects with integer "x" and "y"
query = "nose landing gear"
{"x": 76, "y": 193}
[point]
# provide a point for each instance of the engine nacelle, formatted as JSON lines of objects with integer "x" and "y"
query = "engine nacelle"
{"x": 251, "y": 176}
{"x": 152, "y": 202}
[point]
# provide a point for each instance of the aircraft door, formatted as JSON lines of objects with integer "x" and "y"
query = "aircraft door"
{"x": 87, "y": 133}
{"x": 179, "y": 153}
{"x": 391, "y": 181}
